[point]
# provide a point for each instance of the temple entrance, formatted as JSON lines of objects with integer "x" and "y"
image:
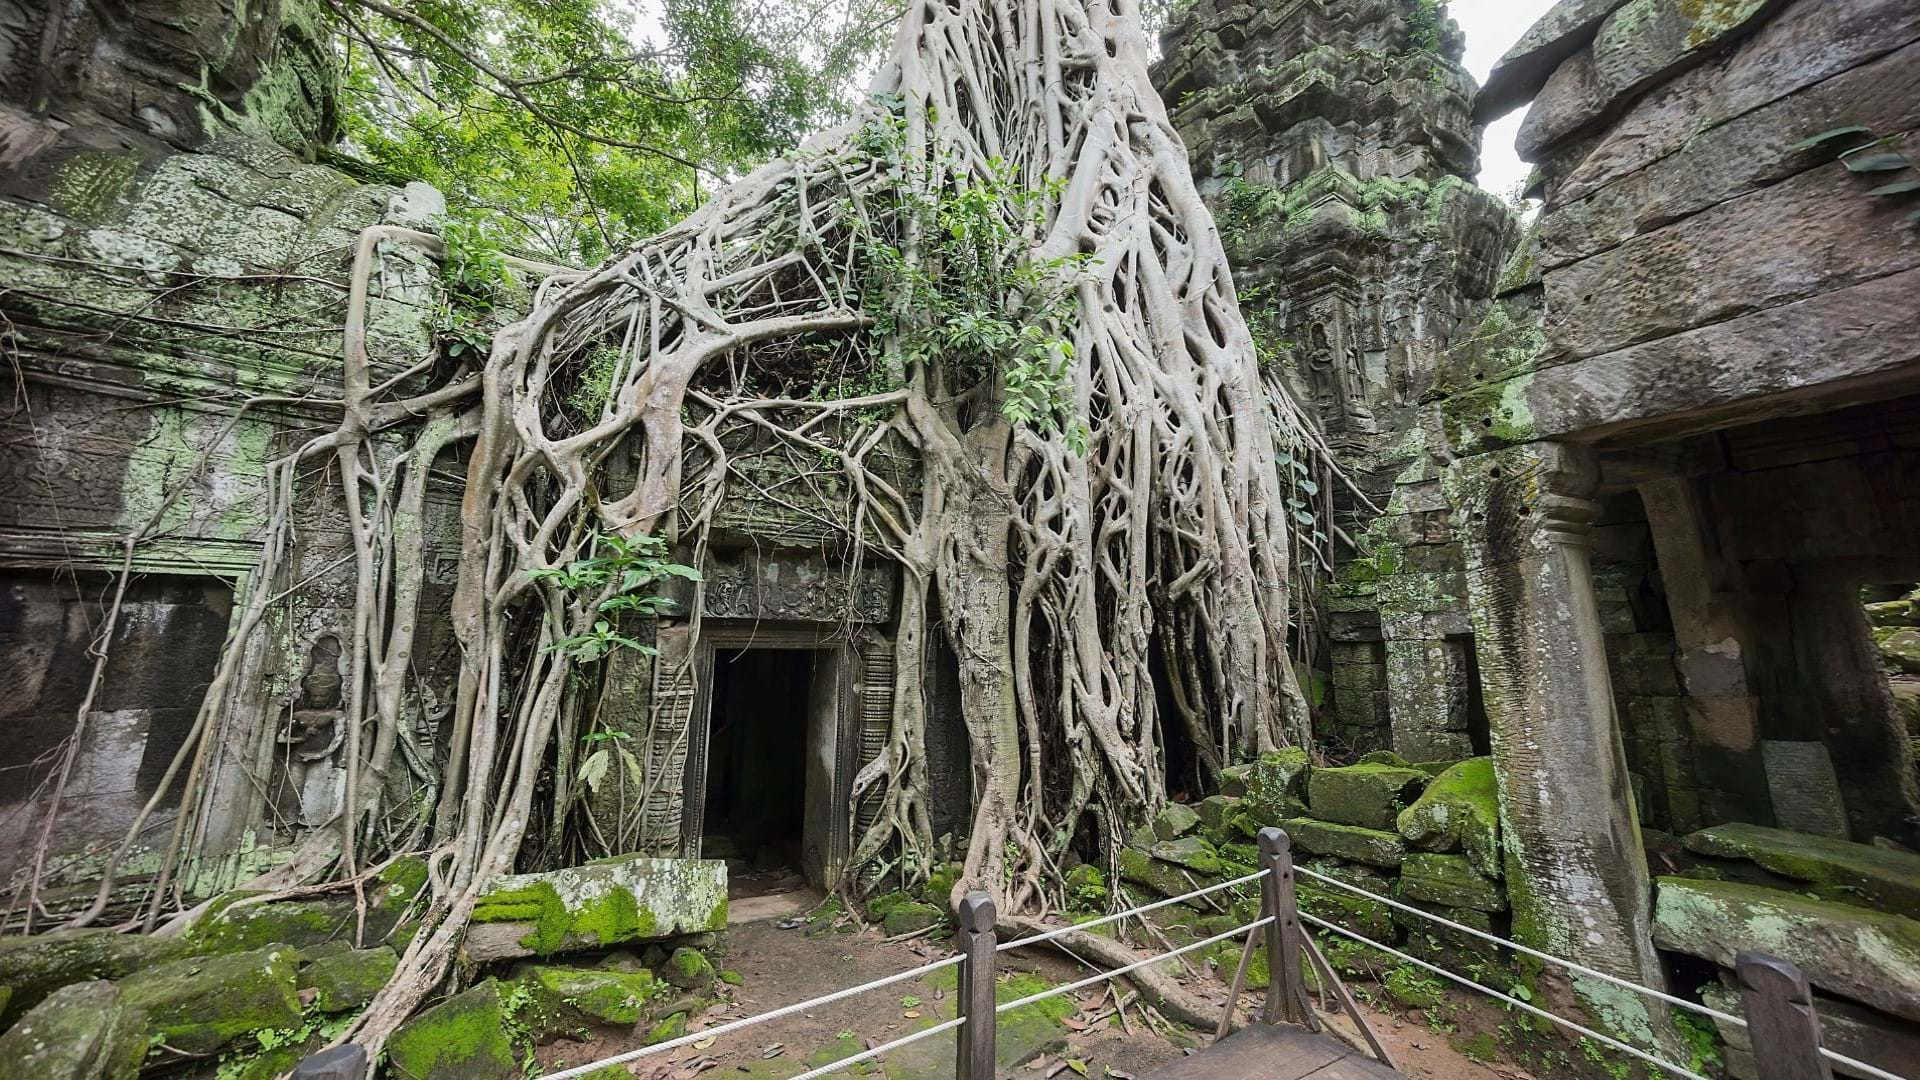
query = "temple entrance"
{"x": 765, "y": 783}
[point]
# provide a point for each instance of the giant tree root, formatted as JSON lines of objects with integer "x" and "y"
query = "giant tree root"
{"x": 1160, "y": 990}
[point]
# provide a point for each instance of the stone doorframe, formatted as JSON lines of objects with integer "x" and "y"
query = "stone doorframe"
{"x": 846, "y": 660}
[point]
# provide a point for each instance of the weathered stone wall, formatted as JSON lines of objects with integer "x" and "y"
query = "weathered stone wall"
{"x": 177, "y": 283}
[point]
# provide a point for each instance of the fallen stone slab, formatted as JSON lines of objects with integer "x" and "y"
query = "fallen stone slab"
{"x": 34, "y": 967}
{"x": 1851, "y": 873}
{"x": 1371, "y": 846}
{"x": 1854, "y": 1030}
{"x": 1275, "y": 786}
{"x": 568, "y": 1000}
{"x": 206, "y": 1003}
{"x": 608, "y": 902}
{"x": 1868, "y": 956}
{"x": 348, "y": 980}
{"x": 79, "y": 1032}
{"x": 1459, "y": 811}
{"x": 1369, "y": 795}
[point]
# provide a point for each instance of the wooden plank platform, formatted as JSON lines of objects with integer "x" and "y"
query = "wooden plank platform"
{"x": 1277, "y": 1052}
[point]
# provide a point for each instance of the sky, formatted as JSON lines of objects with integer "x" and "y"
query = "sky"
{"x": 1491, "y": 27}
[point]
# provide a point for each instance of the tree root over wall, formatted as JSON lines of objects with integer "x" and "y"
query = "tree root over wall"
{"x": 1117, "y": 566}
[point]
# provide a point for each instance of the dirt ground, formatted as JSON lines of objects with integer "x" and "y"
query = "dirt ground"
{"x": 780, "y": 964}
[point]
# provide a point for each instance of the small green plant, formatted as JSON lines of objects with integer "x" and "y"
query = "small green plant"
{"x": 909, "y": 1002}
{"x": 1702, "y": 1041}
{"x": 627, "y": 567}
{"x": 473, "y": 271}
{"x": 1873, "y": 156}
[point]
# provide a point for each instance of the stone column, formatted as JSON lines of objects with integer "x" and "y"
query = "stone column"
{"x": 1576, "y": 872}
{"x": 1713, "y": 638}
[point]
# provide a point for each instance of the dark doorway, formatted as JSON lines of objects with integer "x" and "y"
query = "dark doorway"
{"x": 755, "y": 804}
{"x": 1479, "y": 732}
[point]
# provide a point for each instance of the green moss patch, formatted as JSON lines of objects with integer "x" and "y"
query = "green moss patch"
{"x": 1450, "y": 881}
{"x": 1459, "y": 811}
{"x": 1371, "y": 846}
{"x": 348, "y": 980}
{"x": 1859, "y": 873}
{"x": 204, "y": 1004}
{"x": 1368, "y": 795}
{"x": 465, "y": 1037}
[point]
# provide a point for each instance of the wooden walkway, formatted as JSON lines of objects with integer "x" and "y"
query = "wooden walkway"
{"x": 1277, "y": 1052}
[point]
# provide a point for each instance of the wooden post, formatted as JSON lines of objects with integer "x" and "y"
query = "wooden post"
{"x": 348, "y": 1061}
{"x": 1287, "y": 984}
{"x": 976, "y": 941}
{"x": 1781, "y": 1019}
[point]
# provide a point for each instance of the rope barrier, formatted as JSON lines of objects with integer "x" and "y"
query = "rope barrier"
{"x": 771, "y": 1014}
{"x": 855, "y": 1059}
{"x": 1513, "y": 1001}
{"x": 1130, "y": 912}
{"x": 1135, "y": 966}
{"x": 1535, "y": 953}
{"x": 1871, "y": 1070}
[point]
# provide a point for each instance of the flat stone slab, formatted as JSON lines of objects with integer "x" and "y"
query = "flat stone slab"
{"x": 1868, "y": 956}
{"x": 608, "y": 902}
{"x": 1875, "y": 876}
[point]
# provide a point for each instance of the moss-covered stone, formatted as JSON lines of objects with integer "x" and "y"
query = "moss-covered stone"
{"x": 1459, "y": 811}
{"x": 465, "y": 1037}
{"x": 938, "y": 889}
{"x": 1858, "y": 873}
{"x": 910, "y": 917}
{"x": 1901, "y": 650}
{"x": 1456, "y": 951}
{"x": 688, "y": 969}
{"x": 234, "y": 923}
{"x": 1175, "y": 820}
{"x": 1450, "y": 881}
{"x": 83, "y": 1031}
{"x": 566, "y": 999}
{"x": 1192, "y": 852}
{"x": 34, "y": 967}
{"x": 1276, "y": 786}
{"x": 1343, "y": 907}
{"x": 1217, "y": 813}
{"x": 879, "y": 906}
{"x": 1086, "y": 888}
{"x": 202, "y": 1004}
{"x": 1414, "y": 987}
{"x": 607, "y": 902}
{"x": 348, "y": 980}
{"x": 1139, "y": 868}
{"x": 1371, "y": 846}
{"x": 1369, "y": 795}
{"x": 1870, "y": 956}
{"x": 670, "y": 1028}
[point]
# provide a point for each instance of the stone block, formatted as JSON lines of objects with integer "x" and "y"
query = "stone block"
{"x": 1192, "y": 852}
{"x": 1217, "y": 813}
{"x": 1276, "y": 786}
{"x": 1854, "y": 873}
{"x": 1573, "y": 97}
{"x": 463, "y": 1038}
{"x": 1845, "y": 1028}
{"x": 34, "y": 967}
{"x": 1369, "y": 796}
{"x": 1650, "y": 41}
{"x": 203, "y": 1004}
{"x": 1139, "y": 868}
{"x": 1869, "y": 956}
{"x": 1900, "y": 650}
{"x": 1518, "y": 76}
{"x": 610, "y": 902}
{"x": 1175, "y": 820}
{"x": 1345, "y": 908}
{"x": 1449, "y": 881}
{"x": 348, "y": 980}
{"x": 568, "y": 1000}
{"x": 1805, "y": 787}
{"x": 1472, "y": 957}
{"x": 1459, "y": 811}
{"x": 82, "y": 1031}
{"x": 1370, "y": 846}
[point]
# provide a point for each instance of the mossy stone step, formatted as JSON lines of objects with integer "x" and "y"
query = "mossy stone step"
{"x": 1866, "y": 955}
{"x": 607, "y": 902}
{"x": 1450, "y": 881}
{"x": 1851, "y": 873}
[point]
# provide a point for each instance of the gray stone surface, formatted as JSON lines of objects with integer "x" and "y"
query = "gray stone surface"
{"x": 1650, "y": 41}
{"x": 609, "y": 902}
{"x": 1859, "y": 873}
{"x": 1806, "y": 789}
{"x": 1869, "y": 956}
{"x": 1555, "y": 36}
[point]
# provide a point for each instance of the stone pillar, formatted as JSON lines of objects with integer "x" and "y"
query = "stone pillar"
{"x": 1576, "y": 872}
{"x": 1712, "y": 638}
{"x": 1428, "y": 681}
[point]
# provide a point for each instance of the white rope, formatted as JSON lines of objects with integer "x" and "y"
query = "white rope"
{"x": 1513, "y": 1001}
{"x": 1135, "y": 966}
{"x": 771, "y": 1014}
{"x": 854, "y": 1059}
{"x": 1851, "y": 1063}
{"x": 1129, "y": 913}
{"x": 1537, "y": 954}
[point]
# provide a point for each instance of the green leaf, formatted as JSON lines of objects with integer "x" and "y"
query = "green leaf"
{"x": 1827, "y": 136}
{"x": 1877, "y": 163}
{"x": 1898, "y": 187}
{"x": 634, "y": 772}
{"x": 594, "y": 769}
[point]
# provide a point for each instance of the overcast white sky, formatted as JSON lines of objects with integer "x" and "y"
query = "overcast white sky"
{"x": 1491, "y": 27}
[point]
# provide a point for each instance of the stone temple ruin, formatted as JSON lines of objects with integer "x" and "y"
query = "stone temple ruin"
{"x": 1619, "y": 652}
